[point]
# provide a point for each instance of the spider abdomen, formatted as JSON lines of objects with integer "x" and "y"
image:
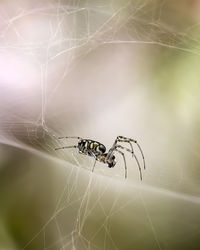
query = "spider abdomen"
{"x": 90, "y": 147}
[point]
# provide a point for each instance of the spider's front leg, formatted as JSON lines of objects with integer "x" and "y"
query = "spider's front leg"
{"x": 124, "y": 139}
{"x": 129, "y": 140}
{"x": 127, "y": 149}
{"x": 124, "y": 161}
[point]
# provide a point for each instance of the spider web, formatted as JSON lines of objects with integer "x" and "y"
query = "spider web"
{"x": 85, "y": 68}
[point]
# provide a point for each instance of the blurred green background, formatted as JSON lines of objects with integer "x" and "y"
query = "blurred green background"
{"x": 99, "y": 69}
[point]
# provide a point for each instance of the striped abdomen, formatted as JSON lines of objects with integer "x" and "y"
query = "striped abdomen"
{"x": 91, "y": 148}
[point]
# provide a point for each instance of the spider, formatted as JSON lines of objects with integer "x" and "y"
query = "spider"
{"x": 98, "y": 151}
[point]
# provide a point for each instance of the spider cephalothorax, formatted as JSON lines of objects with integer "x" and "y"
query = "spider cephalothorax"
{"x": 104, "y": 159}
{"x": 98, "y": 151}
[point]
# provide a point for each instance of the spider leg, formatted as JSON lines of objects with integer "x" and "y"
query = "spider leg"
{"x": 67, "y": 137}
{"x": 127, "y": 149}
{"x": 129, "y": 140}
{"x": 142, "y": 155}
{"x": 119, "y": 146}
{"x": 94, "y": 165}
{"x": 121, "y": 140}
{"x": 66, "y": 147}
{"x": 138, "y": 165}
{"x": 124, "y": 161}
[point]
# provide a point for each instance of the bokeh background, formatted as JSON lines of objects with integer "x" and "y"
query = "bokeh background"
{"x": 99, "y": 69}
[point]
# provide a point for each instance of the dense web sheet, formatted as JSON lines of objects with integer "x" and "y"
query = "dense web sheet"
{"x": 80, "y": 68}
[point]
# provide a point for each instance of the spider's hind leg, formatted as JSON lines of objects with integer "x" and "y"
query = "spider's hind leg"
{"x": 67, "y": 137}
{"x": 66, "y": 147}
{"x": 94, "y": 165}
